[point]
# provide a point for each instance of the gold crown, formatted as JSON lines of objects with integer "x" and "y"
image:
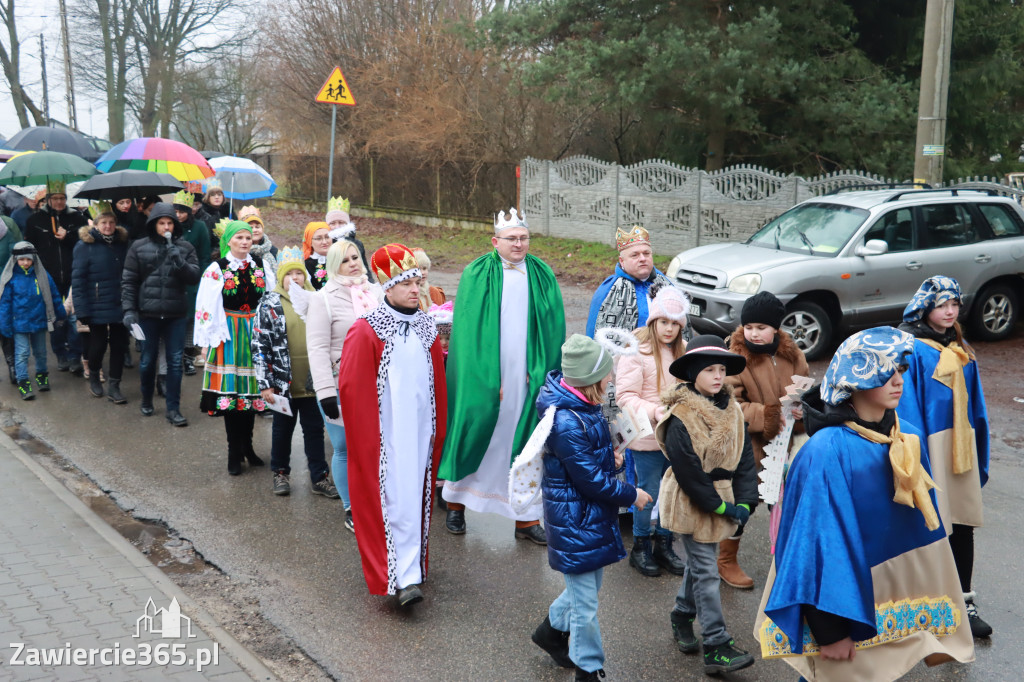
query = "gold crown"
{"x": 250, "y": 213}
{"x": 628, "y": 236}
{"x": 56, "y": 186}
{"x": 221, "y": 225}
{"x": 338, "y": 204}
{"x": 184, "y": 198}
{"x": 99, "y": 208}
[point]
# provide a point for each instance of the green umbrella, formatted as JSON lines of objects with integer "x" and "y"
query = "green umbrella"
{"x": 43, "y": 167}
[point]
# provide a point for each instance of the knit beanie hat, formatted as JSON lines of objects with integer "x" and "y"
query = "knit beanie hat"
{"x": 763, "y": 308}
{"x": 584, "y": 361}
{"x": 667, "y": 303}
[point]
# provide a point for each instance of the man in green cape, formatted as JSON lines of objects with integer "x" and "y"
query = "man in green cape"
{"x": 507, "y": 333}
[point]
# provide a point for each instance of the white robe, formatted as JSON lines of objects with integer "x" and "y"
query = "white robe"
{"x": 486, "y": 490}
{"x": 407, "y": 394}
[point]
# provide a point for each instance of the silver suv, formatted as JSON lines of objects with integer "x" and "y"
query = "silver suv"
{"x": 854, "y": 260}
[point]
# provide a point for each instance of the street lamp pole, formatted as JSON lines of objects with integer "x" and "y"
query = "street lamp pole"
{"x": 930, "y": 148}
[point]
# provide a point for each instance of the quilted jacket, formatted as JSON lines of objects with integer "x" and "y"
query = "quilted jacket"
{"x": 156, "y": 275}
{"x": 581, "y": 494}
{"x": 96, "y": 276}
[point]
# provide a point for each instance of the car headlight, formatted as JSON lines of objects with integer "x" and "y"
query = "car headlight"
{"x": 673, "y": 269}
{"x": 745, "y": 284}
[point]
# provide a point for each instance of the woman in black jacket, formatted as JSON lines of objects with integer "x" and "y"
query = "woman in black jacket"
{"x": 157, "y": 271}
{"x": 99, "y": 258}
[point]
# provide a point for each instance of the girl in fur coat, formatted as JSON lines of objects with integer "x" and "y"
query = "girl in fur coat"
{"x": 711, "y": 492}
{"x": 772, "y": 360}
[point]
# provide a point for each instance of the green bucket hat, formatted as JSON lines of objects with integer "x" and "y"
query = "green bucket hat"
{"x": 584, "y": 361}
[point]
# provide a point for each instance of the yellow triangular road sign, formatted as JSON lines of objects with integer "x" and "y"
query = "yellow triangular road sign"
{"x": 335, "y": 90}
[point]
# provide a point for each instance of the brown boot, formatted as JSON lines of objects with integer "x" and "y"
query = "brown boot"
{"x": 728, "y": 569}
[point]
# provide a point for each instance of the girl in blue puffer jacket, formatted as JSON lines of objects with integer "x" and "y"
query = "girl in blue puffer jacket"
{"x": 581, "y": 501}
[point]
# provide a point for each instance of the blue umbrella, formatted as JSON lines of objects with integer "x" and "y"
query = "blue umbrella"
{"x": 241, "y": 178}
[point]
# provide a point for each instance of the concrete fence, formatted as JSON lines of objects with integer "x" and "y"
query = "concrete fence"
{"x": 584, "y": 198}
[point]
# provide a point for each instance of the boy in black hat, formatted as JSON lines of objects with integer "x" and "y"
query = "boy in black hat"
{"x": 711, "y": 494}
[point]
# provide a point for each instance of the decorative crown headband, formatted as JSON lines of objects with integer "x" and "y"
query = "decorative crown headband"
{"x": 99, "y": 208}
{"x": 338, "y": 204}
{"x": 630, "y": 236}
{"x": 290, "y": 254}
{"x": 514, "y": 220}
{"x": 184, "y": 198}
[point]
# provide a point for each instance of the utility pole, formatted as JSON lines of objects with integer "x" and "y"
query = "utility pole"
{"x": 930, "y": 149}
{"x": 68, "y": 78}
{"x": 46, "y": 92}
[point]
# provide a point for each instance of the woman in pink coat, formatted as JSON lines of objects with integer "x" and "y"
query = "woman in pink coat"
{"x": 639, "y": 382}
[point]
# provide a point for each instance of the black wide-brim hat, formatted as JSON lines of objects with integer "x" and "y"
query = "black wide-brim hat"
{"x": 703, "y": 351}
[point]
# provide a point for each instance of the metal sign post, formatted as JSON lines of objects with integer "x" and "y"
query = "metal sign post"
{"x": 334, "y": 91}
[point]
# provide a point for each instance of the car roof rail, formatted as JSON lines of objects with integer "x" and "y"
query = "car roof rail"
{"x": 953, "y": 191}
{"x": 879, "y": 185}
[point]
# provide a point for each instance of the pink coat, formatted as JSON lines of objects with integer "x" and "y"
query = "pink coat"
{"x": 636, "y": 387}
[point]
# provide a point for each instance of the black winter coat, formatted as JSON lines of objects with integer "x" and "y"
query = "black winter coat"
{"x": 96, "y": 276}
{"x": 156, "y": 274}
{"x": 55, "y": 254}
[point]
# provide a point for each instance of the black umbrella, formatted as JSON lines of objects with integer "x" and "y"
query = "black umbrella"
{"x": 39, "y": 138}
{"x": 123, "y": 184}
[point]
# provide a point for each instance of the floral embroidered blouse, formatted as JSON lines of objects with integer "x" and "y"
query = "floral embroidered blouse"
{"x": 317, "y": 272}
{"x": 228, "y": 285}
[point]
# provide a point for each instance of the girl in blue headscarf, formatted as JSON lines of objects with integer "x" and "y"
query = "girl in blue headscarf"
{"x": 943, "y": 397}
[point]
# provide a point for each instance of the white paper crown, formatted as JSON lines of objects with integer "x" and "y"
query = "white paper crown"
{"x": 514, "y": 220}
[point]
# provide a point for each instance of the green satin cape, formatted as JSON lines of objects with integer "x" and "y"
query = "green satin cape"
{"x": 474, "y": 365}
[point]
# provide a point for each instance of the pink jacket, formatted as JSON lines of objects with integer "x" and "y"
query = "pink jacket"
{"x": 636, "y": 387}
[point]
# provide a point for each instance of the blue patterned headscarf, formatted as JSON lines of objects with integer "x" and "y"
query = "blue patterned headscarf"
{"x": 866, "y": 360}
{"x": 934, "y": 292}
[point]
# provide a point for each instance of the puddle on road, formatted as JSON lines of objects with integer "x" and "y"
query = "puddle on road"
{"x": 164, "y": 549}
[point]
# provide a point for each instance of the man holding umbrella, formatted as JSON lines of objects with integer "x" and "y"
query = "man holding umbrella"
{"x": 53, "y": 230}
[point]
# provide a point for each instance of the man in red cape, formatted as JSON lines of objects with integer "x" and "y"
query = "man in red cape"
{"x": 394, "y": 442}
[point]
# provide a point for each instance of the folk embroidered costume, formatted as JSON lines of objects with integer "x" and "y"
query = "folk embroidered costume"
{"x": 229, "y": 292}
{"x": 861, "y": 552}
{"x": 507, "y": 334}
{"x": 316, "y": 241}
{"x": 621, "y": 300}
{"x": 943, "y": 397}
{"x": 392, "y": 353}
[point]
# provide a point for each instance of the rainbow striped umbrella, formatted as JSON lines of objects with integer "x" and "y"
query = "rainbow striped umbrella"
{"x": 158, "y": 155}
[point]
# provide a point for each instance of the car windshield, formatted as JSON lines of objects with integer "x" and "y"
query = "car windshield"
{"x": 818, "y": 229}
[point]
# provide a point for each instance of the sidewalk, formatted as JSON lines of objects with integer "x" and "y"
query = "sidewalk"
{"x": 74, "y": 593}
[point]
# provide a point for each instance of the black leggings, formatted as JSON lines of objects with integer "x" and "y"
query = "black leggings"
{"x": 100, "y": 336}
{"x": 961, "y": 541}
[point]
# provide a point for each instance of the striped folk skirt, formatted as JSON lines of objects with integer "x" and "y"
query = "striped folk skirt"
{"x": 229, "y": 382}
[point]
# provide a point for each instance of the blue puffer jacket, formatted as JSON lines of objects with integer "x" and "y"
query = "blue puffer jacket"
{"x": 22, "y": 309}
{"x": 96, "y": 276}
{"x": 581, "y": 494}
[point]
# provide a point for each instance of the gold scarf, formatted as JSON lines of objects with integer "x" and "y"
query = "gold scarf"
{"x": 910, "y": 478}
{"x": 950, "y": 372}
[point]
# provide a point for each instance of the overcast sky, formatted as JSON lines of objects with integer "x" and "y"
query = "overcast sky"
{"x": 35, "y": 17}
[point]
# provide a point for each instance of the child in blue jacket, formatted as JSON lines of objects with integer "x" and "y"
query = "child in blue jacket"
{"x": 582, "y": 497}
{"x": 27, "y": 312}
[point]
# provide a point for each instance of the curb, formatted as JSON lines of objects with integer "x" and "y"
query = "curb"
{"x": 245, "y": 659}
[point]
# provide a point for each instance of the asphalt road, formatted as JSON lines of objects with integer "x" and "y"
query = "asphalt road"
{"x": 486, "y": 592}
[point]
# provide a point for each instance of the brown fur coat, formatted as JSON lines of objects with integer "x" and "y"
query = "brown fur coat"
{"x": 717, "y": 437}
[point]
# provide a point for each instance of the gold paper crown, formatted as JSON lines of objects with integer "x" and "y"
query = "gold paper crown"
{"x": 290, "y": 254}
{"x": 99, "y": 208}
{"x": 221, "y": 225}
{"x": 56, "y": 186}
{"x": 184, "y": 198}
{"x": 250, "y": 213}
{"x": 629, "y": 236}
{"x": 338, "y": 204}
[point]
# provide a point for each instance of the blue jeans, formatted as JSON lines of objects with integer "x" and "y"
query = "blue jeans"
{"x": 650, "y": 467}
{"x": 303, "y": 411}
{"x": 23, "y": 343}
{"x": 699, "y": 595}
{"x": 339, "y": 461}
{"x": 575, "y": 612}
{"x": 170, "y": 330}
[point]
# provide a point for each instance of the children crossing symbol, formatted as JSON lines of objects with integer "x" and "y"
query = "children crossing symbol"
{"x": 335, "y": 90}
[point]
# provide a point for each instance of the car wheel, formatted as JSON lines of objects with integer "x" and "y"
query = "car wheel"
{"x": 810, "y": 327}
{"x": 994, "y": 313}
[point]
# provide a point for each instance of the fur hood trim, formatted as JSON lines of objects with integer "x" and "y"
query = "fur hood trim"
{"x": 787, "y": 347}
{"x": 682, "y": 393}
{"x": 85, "y": 234}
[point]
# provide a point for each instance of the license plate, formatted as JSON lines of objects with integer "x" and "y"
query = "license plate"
{"x": 695, "y": 309}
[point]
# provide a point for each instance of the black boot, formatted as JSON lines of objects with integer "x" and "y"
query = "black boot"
{"x": 666, "y": 557}
{"x": 187, "y": 365}
{"x": 95, "y": 387}
{"x": 128, "y": 362}
{"x": 252, "y": 458}
{"x": 146, "y": 406}
{"x": 979, "y": 628}
{"x": 114, "y": 394}
{"x": 555, "y": 642}
{"x": 640, "y": 558}
{"x": 583, "y": 676}
{"x": 161, "y": 379}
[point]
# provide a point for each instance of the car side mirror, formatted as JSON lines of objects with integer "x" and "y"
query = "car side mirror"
{"x": 874, "y": 247}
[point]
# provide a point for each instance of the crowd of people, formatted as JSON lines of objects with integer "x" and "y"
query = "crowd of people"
{"x": 885, "y": 458}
